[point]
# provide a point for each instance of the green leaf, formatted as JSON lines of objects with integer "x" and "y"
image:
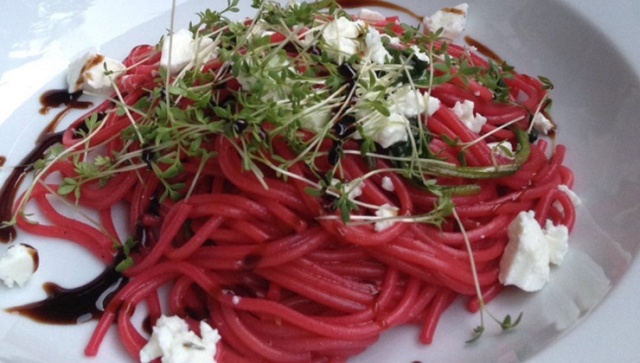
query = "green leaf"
{"x": 380, "y": 107}
{"x": 66, "y": 189}
{"x": 546, "y": 83}
{"x": 314, "y": 192}
{"x": 477, "y": 333}
{"x": 125, "y": 264}
{"x": 507, "y": 324}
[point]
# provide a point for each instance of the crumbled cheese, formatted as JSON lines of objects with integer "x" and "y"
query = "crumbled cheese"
{"x": 385, "y": 211}
{"x": 370, "y": 15}
{"x": 185, "y": 50}
{"x": 175, "y": 343}
{"x": 422, "y": 56}
{"x": 94, "y": 73}
{"x": 352, "y": 188}
{"x": 558, "y": 241}
{"x": 465, "y": 112}
{"x": 342, "y": 34}
{"x": 530, "y": 250}
{"x": 502, "y": 148}
{"x": 387, "y": 184}
{"x": 17, "y": 265}
{"x": 407, "y": 101}
{"x": 386, "y": 131}
{"x": 542, "y": 124}
{"x": 451, "y": 20}
{"x": 433, "y": 104}
{"x": 392, "y": 40}
{"x": 525, "y": 262}
{"x": 375, "y": 50}
{"x": 572, "y": 195}
{"x": 403, "y": 102}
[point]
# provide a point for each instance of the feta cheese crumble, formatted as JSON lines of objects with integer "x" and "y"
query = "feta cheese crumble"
{"x": 502, "y": 148}
{"x": 422, "y": 56}
{"x": 451, "y": 20}
{"x": 392, "y": 40}
{"x": 403, "y": 102}
{"x": 18, "y": 264}
{"x": 407, "y": 101}
{"x": 385, "y": 211}
{"x": 387, "y": 184}
{"x": 342, "y": 34}
{"x": 93, "y": 73}
{"x": 530, "y": 250}
{"x": 185, "y": 50}
{"x": 433, "y": 104}
{"x": 175, "y": 343}
{"x": 525, "y": 262}
{"x": 352, "y": 188}
{"x": 557, "y": 240}
{"x": 370, "y": 15}
{"x": 465, "y": 112}
{"x": 375, "y": 50}
{"x": 542, "y": 124}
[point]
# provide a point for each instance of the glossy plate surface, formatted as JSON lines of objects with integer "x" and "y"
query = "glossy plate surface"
{"x": 589, "y": 311}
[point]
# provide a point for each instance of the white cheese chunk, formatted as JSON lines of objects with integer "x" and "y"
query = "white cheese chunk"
{"x": 370, "y": 15}
{"x": 465, "y": 112}
{"x": 375, "y": 50}
{"x": 387, "y": 184}
{"x": 451, "y": 20}
{"x": 387, "y": 130}
{"x": 341, "y": 35}
{"x": 433, "y": 104}
{"x": 394, "y": 131}
{"x": 502, "y": 148}
{"x": 385, "y": 211}
{"x": 525, "y": 262}
{"x": 542, "y": 124}
{"x": 17, "y": 265}
{"x": 352, "y": 188}
{"x": 185, "y": 50}
{"x": 422, "y": 56}
{"x": 572, "y": 195}
{"x": 407, "y": 101}
{"x": 392, "y": 40}
{"x": 175, "y": 343}
{"x": 93, "y": 73}
{"x": 557, "y": 240}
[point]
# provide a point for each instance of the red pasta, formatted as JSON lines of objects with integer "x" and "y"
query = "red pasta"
{"x": 275, "y": 268}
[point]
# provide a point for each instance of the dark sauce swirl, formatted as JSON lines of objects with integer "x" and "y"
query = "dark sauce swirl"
{"x": 76, "y": 305}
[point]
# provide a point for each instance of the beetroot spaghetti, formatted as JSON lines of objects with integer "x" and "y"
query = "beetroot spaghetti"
{"x": 303, "y": 183}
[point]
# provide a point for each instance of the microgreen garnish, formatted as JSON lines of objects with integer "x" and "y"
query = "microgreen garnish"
{"x": 547, "y": 85}
{"x": 505, "y": 323}
{"x": 125, "y": 249}
{"x": 275, "y": 79}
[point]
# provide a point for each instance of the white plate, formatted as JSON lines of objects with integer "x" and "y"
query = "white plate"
{"x": 588, "y": 51}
